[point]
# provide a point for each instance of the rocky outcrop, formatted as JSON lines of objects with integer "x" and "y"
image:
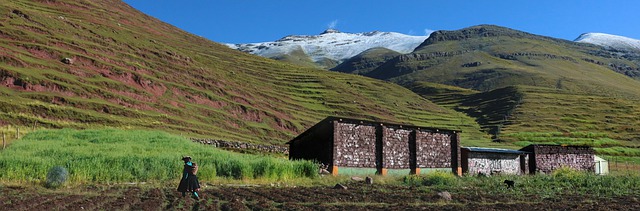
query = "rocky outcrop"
{"x": 633, "y": 72}
{"x": 426, "y": 56}
{"x": 472, "y": 32}
{"x": 514, "y": 56}
{"x": 471, "y": 64}
{"x": 481, "y": 31}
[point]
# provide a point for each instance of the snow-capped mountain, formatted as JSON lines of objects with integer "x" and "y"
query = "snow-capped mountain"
{"x": 333, "y": 44}
{"x": 611, "y": 41}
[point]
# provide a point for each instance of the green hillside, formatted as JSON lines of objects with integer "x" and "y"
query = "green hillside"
{"x": 297, "y": 57}
{"x": 524, "y": 88}
{"x": 488, "y": 57}
{"x": 366, "y": 61}
{"x": 93, "y": 64}
{"x": 521, "y": 115}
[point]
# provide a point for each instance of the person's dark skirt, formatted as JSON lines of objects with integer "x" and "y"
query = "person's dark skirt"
{"x": 190, "y": 184}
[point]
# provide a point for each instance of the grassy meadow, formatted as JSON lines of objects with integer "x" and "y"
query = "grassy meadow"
{"x": 111, "y": 155}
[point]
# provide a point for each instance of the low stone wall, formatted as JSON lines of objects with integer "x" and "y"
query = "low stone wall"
{"x": 241, "y": 145}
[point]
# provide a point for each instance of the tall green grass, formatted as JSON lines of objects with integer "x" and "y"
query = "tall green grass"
{"x": 111, "y": 155}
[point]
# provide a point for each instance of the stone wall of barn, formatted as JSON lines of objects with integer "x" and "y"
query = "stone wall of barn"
{"x": 396, "y": 153}
{"x": 433, "y": 150}
{"x": 493, "y": 163}
{"x": 354, "y": 145}
{"x": 548, "y": 158}
{"x": 366, "y": 145}
{"x": 548, "y": 162}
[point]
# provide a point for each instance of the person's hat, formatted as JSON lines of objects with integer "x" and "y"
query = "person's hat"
{"x": 186, "y": 157}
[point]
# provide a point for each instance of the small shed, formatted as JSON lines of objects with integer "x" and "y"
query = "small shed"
{"x": 377, "y": 147}
{"x": 488, "y": 161}
{"x": 546, "y": 157}
{"x": 601, "y": 166}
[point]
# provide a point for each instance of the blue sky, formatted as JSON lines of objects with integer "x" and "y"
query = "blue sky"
{"x": 245, "y": 21}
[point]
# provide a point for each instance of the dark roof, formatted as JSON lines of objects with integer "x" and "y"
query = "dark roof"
{"x": 494, "y": 150}
{"x": 531, "y": 147}
{"x": 360, "y": 121}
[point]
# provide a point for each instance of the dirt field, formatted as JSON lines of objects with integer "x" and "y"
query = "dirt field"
{"x": 356, "y": 197}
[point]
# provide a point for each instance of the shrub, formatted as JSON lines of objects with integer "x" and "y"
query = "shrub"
{"x": 56, "y": 177}
{"x": 439, "y": 178}
{"x": 307, "y": 169}
{"x": 566, "y": 176}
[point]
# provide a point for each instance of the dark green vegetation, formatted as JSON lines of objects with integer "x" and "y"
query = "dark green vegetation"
{"x": 109, "y": 155}
{"x": 90, "y": 64}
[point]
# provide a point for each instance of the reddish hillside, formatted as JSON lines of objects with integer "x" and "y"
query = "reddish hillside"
{"x": 102, "y": 63}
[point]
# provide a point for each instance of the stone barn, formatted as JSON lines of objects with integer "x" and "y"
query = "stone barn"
{"x": 363, "y": 147}
{"x": 546, "y": 158}
{"x": 488, "y": 161}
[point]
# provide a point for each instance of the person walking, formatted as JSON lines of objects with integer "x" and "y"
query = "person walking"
{"x": 189, "y": 181}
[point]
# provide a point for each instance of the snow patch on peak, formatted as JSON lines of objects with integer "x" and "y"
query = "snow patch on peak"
{"x": 610, "y": 41}
{"x": 333, "y": 44}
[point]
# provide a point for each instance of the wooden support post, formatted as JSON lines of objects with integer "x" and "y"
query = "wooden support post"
{"x": 17, "y": 132}
{"x": 334, "y": 171}
{"x": 4, "y": 143}
{"x": 382, "y": 171}
{"x": 415, "y": 171}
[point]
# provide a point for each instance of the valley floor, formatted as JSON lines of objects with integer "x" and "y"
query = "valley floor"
{"x": 226, "y": 197}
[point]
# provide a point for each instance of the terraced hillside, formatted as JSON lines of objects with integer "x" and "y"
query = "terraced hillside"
{"x": 551, "y": 116}
{"x": 517, "y": 116}
{"x": 524, "y": 88}
{"x": 87, "y": 64}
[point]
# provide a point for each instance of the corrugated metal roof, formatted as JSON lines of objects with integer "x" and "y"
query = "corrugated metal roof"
{"x": 494, "y": 150}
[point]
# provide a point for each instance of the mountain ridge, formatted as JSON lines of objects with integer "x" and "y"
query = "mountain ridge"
{"x": 610, "y": 41}
{"x": 333, "y": 45}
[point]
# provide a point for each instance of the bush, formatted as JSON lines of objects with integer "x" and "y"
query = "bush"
{"x": 440, "y": 178}
{"x": 56, "y": 177}
{"x": 566, "y": 173}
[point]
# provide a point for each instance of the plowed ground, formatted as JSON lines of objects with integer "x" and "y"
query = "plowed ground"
{"x": 356, "y": 197}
